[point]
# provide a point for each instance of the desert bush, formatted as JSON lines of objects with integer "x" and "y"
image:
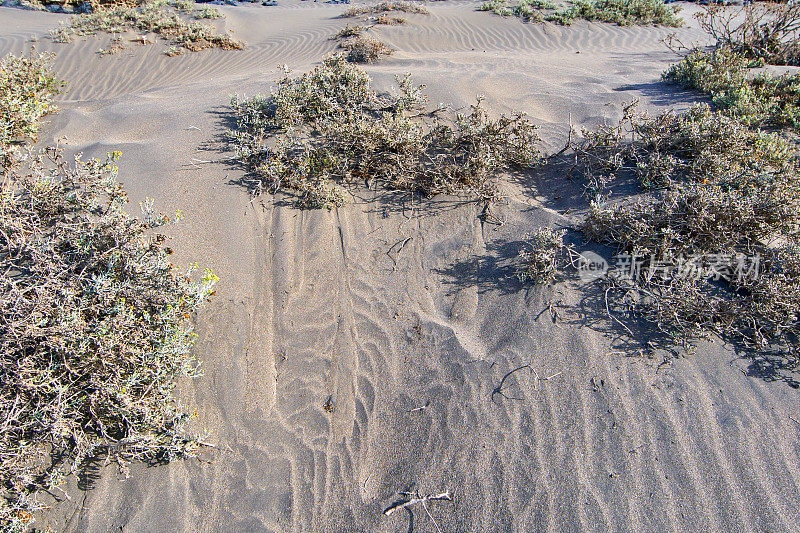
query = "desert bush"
{"x": 169, "y": 19}
{"x": 621, "y": 12}
{"x": 385, "y": 20}
{"x": 698, "y": 145}
{"x": 364, "y": 49}
{"x": 498, "y": 7}
{"x": 756, "y": 100}
{"x": 765, "y": 30}
{"x": 384, "y": 7}
{"x": 94, "y": 330}
{"x": 527, "y": 10}
{"x": 27, "y": 87}
{"x": 95, "y": 322}
{"x": 328, "y": 127}
{"x": 543, "y": 258}
{"x": 349, "y": 31}
{"x": 627, "y": 12}
{"x": 728, "y": 202}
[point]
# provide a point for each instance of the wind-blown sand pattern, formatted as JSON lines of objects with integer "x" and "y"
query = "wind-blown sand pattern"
{"x": 320, "y": 346}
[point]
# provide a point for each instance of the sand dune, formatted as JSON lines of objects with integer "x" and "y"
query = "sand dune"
{"x": 320, "y": 345}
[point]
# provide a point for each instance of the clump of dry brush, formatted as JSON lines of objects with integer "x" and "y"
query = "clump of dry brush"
{"x": 173, "y": 20}
{"x": 752, "y": 36}
{"x": 95, "y": 323}
{"x": 621, "y": 12}
{"x": 365, "y": 49}
{"x": 717, "y": 238}
{"x": 27, "y": 88}
{"x": 362, "y": 48}
{"x": 329, "y": 127}
{"x": 768, "y": 31}
{"x": 385, "y": 7}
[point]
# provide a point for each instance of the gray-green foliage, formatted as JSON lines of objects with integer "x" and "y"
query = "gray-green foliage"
{"x": 95, "y": 322}
{"x": 27, "y": 88}
{"x": 725, "y": 191}
{"x": 328, "y": 128}
{"x": 621, "y": 12}
{"x": 756, "y": 100}
{"x": 170, "y": 19}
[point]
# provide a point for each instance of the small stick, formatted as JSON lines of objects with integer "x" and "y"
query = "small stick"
{"x": 412, "y": 500}
{"x": 420, "y": 408}
{"x": 499, "y": 388}
{"x": 618, "y": 321}
{"x": 388, "y": 252}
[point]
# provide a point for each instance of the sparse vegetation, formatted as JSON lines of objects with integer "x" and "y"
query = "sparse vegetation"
{"x": 628, "y": 12}
{"x": 170, "y": 19}
{"x": 27, "y": 88}
{"x": 328, "y": 128}
{"x": 349, "y": 31}
{"x": 364, "y": 49}
{"x": 384, "y": 7}
{"x": 95, "y": 322}
{"x": 746, "y": 39}
{"x": 385, "y": 20}
{"x": 543, "y": 257}
{"x": 756, "y": 100}
{"x": 768, "y": 31}
{"x": 717, "y": 243}
{"x": 621, "y": 12}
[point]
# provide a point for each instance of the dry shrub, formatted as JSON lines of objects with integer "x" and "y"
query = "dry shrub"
{"x": 621, "y": 12}
{"x": 698, "y": 145}
{"x": 95, "y": 322}
{"x": 386, "y": 20}
{"x": 385, "y": 7}
{"x": 27, "y": 87}
{"x": 328, "y": 128}
{"x": 727, "y": 194}
{"x": 171, "y": 19}
{"x": 543, "y": 257}
{"x": 365, "y": 49}
{"x": 349, "y": 31}
{"x": 763, "y": 30}
{"x": 725, "y": 74}
{"x": 627, "y": 12}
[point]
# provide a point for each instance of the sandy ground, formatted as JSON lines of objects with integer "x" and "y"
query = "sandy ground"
{"x": 312, "y": 311}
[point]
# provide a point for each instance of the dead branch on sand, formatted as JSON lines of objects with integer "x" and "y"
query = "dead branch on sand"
{"x": 499, "y": 388}
{"x": 413, "y": 499}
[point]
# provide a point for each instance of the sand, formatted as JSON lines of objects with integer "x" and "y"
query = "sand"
{"x": 319, "y": 345}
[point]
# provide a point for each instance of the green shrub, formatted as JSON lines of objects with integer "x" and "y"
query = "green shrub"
{"x": 761, "y": 100}
{"x": 95, "y": 330}
{"x": 498, "y": 7}
{"x": 165, "y": 18}
{"x": 328, "y": 128}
